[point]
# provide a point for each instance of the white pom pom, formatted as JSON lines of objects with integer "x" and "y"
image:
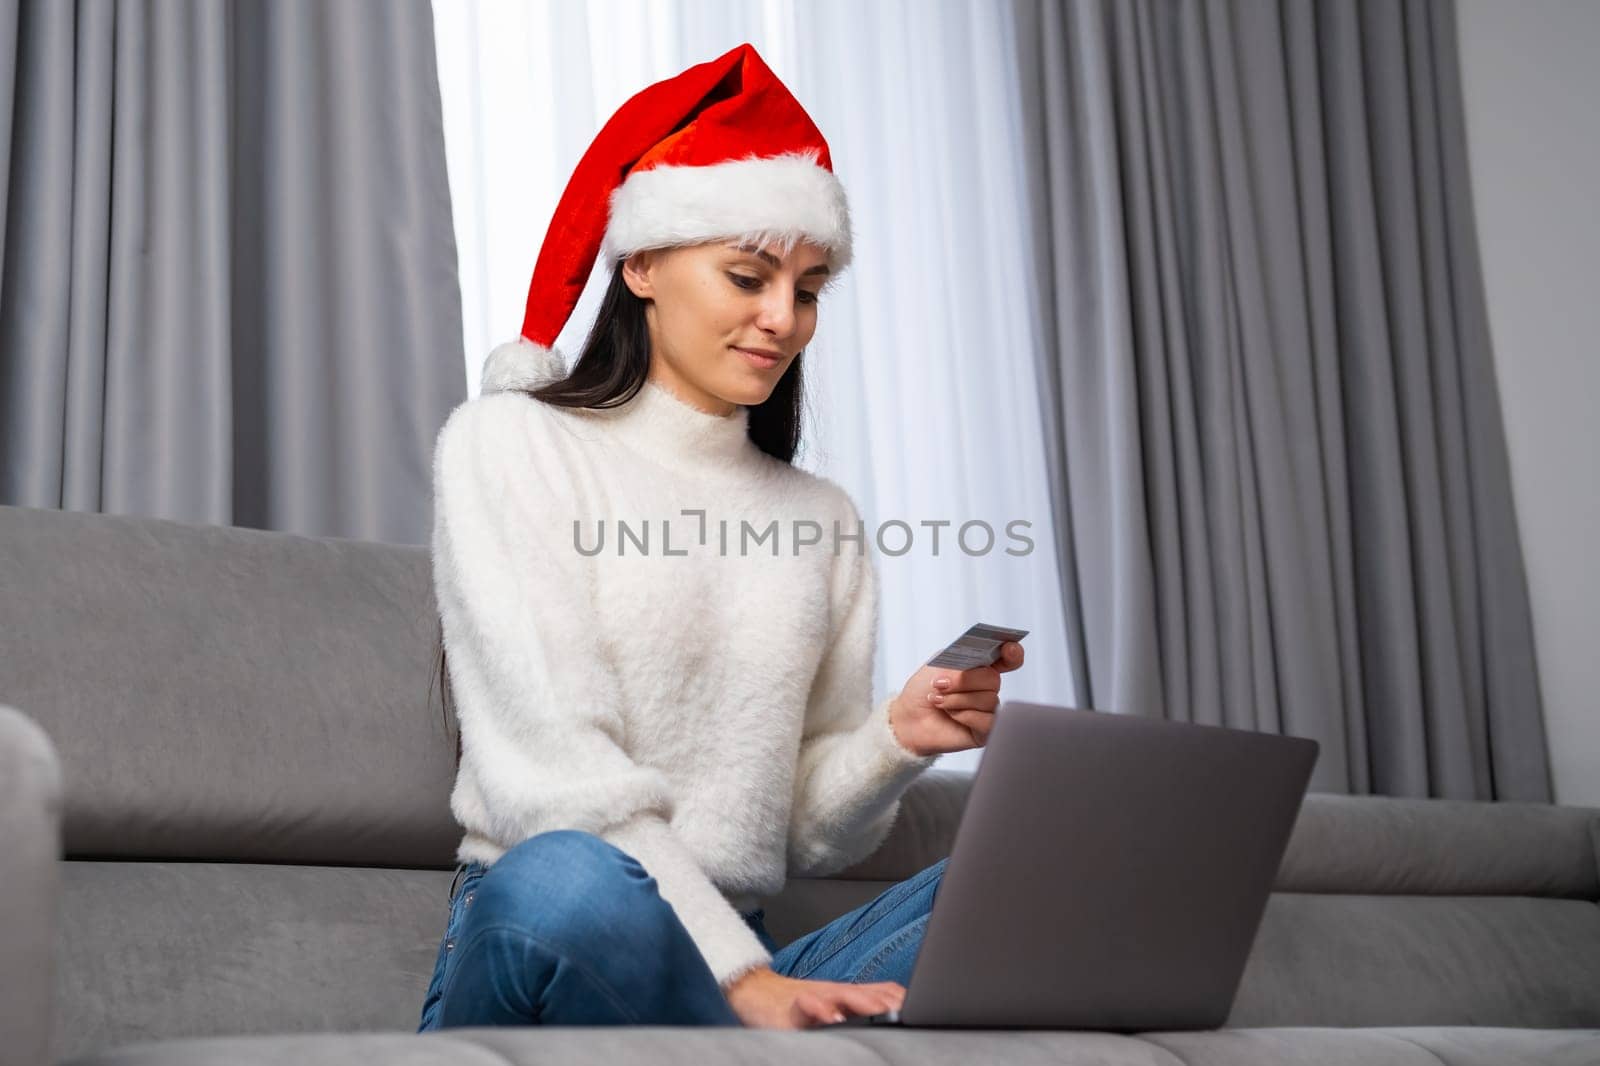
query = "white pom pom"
{"x": 521, "y": 364}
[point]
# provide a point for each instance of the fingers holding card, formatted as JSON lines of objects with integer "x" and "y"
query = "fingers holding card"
{"x": 978, "y": 646}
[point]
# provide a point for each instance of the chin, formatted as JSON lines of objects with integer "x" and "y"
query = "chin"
{"x": 750, "y": 394}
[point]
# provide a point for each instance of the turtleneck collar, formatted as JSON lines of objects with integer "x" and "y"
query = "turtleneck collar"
{"x": 668, "y": 430}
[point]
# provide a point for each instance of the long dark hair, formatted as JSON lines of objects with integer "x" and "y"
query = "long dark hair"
{"x": 610, "y": 369}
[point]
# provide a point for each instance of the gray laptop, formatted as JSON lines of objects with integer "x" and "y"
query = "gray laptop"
{"x": 1109, "y": 872}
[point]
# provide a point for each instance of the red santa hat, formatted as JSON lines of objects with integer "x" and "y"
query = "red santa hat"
{"x": 722, "y": 150}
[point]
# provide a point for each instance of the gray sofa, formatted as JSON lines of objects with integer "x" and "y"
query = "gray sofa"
{"x": 225, "y": 839}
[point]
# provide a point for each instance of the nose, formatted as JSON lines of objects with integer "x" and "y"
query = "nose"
{"x": 777, "y": 316}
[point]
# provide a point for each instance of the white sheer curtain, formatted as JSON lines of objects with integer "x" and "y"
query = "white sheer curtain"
{"x": 921, "y": 385}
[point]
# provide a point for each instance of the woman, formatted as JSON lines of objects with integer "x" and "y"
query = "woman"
{"x": 659, "y": 631}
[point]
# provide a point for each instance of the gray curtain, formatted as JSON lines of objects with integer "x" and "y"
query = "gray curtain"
{"x": 228, "y": 292}
{"x": 1284, "y": 501}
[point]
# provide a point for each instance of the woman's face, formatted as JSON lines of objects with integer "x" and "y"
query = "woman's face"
{"x": 706, "y": 302}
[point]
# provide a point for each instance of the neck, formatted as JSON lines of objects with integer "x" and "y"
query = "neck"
{"x": 670, "y": 431}
{"x": 700, "y": 400}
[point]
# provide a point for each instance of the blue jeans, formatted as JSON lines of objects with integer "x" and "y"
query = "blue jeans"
{"x": 566, "y": 929}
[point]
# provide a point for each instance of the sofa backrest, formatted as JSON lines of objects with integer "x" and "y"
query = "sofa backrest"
{"x": 1390, "y": 911}
{"x": 230, "y": 694}
{"x": 257, "y": 783}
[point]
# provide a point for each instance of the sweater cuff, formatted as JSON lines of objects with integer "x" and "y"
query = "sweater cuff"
{"x": 882, "y": 760}
{"x": 729, "y": 946}
{"x": 879, "y": 736}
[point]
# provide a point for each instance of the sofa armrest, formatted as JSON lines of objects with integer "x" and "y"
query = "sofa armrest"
{"x": 30, "y": 871}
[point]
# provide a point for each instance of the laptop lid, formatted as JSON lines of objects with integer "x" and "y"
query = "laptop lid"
{"x": 1109, "y": 872}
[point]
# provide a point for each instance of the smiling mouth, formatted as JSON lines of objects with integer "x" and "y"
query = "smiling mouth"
{"x": 761, "y": 359}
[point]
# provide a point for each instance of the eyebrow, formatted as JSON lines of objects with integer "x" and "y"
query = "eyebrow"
{"x": 820, "y": 268}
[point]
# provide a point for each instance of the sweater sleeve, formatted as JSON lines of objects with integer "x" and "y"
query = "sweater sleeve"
{"x": 540, "y": 711}
{"x": 852, "y": 770}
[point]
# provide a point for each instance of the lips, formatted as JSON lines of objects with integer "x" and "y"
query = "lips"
{"x": 759, "y": 359}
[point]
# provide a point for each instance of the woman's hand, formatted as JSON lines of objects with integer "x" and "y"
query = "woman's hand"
{"x": 942, "y": 710}
{"x": 765, "y": 999}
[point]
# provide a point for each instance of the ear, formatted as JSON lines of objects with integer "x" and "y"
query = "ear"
{"x": 636, "y": 274}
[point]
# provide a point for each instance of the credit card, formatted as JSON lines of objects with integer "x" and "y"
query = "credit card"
{"x": 978, "y": 646}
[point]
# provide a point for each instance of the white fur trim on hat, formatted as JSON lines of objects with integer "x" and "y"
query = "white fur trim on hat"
{"x": 521, "y": 364}
{"x": 779, "y": 195}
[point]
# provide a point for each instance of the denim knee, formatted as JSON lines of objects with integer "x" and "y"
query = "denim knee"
{"x": 566, "y": 928}
{"x": 920, "y": 880}
{"x": 566, "y": 886}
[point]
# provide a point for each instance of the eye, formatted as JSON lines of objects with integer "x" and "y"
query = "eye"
{"x": 749, "y": 284}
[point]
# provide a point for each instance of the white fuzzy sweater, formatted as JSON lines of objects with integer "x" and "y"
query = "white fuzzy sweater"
{"x": 706, "y": 711}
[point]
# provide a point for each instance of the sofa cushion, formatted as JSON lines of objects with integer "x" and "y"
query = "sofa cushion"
{"x": 168, "y": 949}
{"x": 161, "y": 949}
{"x": 1394, "y": 845}
{"x": 1347, "y": 844}
{"x": 1400, "y": 1046}
{"x": 869, "y": 1047}
{"x": 224, "y": 693}
{"x": 1363, "y": 960}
